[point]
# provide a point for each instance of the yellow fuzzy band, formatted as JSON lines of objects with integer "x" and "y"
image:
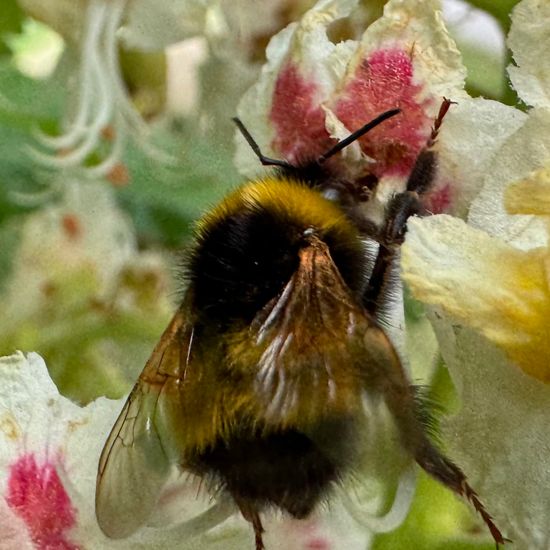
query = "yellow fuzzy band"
{"x": 287, "y": 200}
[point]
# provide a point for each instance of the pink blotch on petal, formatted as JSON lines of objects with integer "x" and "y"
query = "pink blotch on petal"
{"x": 35, "y": 493}
{"x": 298, "y": 119}
{"x": 309, "y": 533}
{"x": 440, "y": 199}
{"x": 385, "y": 81}
{"x": 317, "y": 543}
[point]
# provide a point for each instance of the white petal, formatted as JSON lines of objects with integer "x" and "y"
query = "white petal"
{"x": 530, "y": 195}
{"x": 307, "y": 45}
{"x": 13, "y": 531}
{"x": 29, "y": 402}
{"x": 419, "y": 28}
{"x": 149, "y": 28}
{"x": 501, "y": 436}
{"x": 524, "y": 151}
{"x": 482, "y": 283}
{"x": 472, "y": 133}
{"x": 330, "y": 528}
{"x": 256, "y": 103}
{"x": 529, "y": 40}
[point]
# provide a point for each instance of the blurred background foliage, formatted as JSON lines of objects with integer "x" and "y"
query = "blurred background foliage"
{"x": 88, "y": 262}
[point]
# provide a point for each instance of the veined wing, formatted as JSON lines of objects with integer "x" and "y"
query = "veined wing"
{"x": 307, "y": 343}
{"x": 147, "y": 438}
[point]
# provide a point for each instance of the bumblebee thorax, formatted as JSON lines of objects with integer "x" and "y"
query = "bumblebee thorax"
{"x": 247, "y": 248}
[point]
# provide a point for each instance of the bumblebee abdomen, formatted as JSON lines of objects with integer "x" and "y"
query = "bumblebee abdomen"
{"x": 287, "y": 469}
{"x": 247, "y": 248}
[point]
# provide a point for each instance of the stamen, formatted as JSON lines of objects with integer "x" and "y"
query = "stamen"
{"x": 129, "y": 117}
{"x": 95, "y": 19}
{"x": 36, "y": 198}
{"x": 111, "y": 160}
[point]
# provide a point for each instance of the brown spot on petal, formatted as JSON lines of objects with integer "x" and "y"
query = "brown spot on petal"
{"x": 9, "y": 426}
{"x": 71, "y": 226}
{"x": 108, "y": 133}
{"x": 119, "y": 175}
{"x": 73, "y": 425}
{"x": 63, "y": 152}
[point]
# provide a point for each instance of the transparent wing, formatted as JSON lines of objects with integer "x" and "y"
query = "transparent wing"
{"x": 306, "y": 341}
{"x": 147, "y": 439}
{"x": 379, "y": 490}
{"x": 323, "y": 356}
{"x": 317, "y": 347}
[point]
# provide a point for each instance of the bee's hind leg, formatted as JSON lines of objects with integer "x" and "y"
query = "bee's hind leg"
{"x": 432, "y": 461}
{"x": 415, "y": 429}
{"x": 258, "y": 530}
{"x": 251, "y": 514}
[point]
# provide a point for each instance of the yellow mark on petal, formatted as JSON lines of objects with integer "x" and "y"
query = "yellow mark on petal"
{"x": 530, "y": 195}
{"x": 9, "y": 426}
{"x": 483, "y": 283}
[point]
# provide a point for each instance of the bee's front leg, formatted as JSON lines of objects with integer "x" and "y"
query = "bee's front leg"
{"x": 399, "y": 209}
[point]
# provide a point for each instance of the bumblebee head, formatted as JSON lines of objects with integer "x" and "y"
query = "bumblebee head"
{"x": 247, "y": 248}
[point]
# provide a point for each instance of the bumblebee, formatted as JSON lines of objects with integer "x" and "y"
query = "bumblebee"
{"x": 268, "y": 379}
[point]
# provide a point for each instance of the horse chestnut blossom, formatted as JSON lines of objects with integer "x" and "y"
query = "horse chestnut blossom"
{"x": 313, "y": 92}
{"x": 487, "y": 286}
{"x": 102, "y": 116}
{"x": 49, "y": 450}
{"x": 484, "y": 281}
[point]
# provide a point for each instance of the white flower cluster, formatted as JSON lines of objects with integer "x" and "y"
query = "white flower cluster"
{"x": 485, "y": 281}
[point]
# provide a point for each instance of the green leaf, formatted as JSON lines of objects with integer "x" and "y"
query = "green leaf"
{"x": 11, "y": 22}
{"x": 27, "y": 103}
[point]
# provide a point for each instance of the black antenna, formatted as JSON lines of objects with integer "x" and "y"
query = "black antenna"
{"x": 266, "y": 161}
{"x": 357, "y": 134}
